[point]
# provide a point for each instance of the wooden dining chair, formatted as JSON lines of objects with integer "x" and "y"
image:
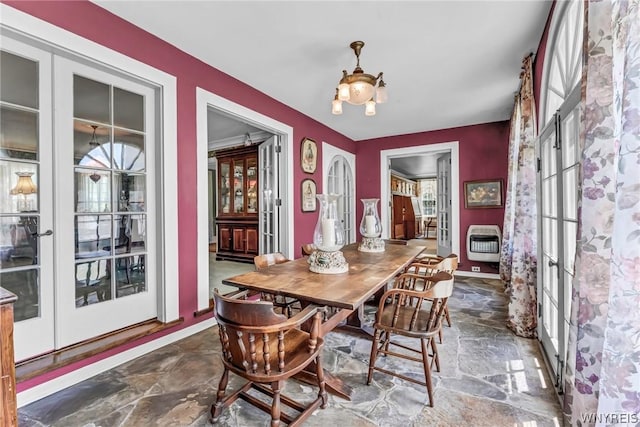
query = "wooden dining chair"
{"x": 263, "y": 262}
{"x": 411, "y": 313}
{"x": 266, "y": 348}
{"x": 431, "y": 266}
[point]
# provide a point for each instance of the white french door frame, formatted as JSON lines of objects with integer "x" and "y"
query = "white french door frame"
{"x": 36, "y": 335}
{"x": 22, "y": 26}
{"x": 329, "y": 153}
{"x": 560, "y": 269}
{"x": 432, "y": 149}
{"x": 205, "y": 100}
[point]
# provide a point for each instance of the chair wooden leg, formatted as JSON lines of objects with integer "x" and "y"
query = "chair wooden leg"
{"x": 374, "y": 354}
{"x": 427, "y": 370}
{"x": 276, "y": 386}
{"x": 322, "y": 393}
{"x": 446, "y": 314}
{"x": 217, "y": 408}
{"x": 435, "y": 354}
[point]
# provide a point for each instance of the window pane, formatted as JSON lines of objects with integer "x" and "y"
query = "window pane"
{"x": 21, "y": 183}
{"x": 18, "y": 80}
{"x": 130, "y": 275}
{"x": 93, "y": 281}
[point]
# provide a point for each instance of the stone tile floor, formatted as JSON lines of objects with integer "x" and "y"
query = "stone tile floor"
{"x": 489, "y": 377}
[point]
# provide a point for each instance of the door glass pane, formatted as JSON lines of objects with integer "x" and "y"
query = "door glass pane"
{"x": 570, "y": 195}
{"x": 21, "y": 181}
{"x": 129, "y": 192}
{"x": 25, "y": 285}
{"x": 19, "y": 136}
{"x": 93, "y": 190}
{"x": 93, "y": 236}
{"x": 91, "y": 145}
{"x": 91, "y": 100}
{"x": 128, "y": 109}
{"x": 18, "y": 80}
{"x": 93, "y": 281}
{"x": 128, "y": 151}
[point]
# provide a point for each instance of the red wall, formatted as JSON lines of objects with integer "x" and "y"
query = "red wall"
{"x": 483, "y": 155}
{"x": 80, "y": 17}
{"x": 483, "y": 148}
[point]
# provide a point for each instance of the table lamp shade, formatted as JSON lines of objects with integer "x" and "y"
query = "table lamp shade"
{"x": 25, "y": 184}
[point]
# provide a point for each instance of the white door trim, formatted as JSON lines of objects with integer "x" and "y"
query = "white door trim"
{"x": 15, "y": 21}
{"x": 385, "y": 185}
{"x": 205, "y": 99}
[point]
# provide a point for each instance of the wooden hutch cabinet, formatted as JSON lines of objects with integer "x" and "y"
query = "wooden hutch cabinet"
{"x": 237, "y": 217}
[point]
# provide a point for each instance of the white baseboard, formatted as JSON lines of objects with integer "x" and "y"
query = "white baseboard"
{"x": 478, "y": 275}
{"x": 60, "y": 383}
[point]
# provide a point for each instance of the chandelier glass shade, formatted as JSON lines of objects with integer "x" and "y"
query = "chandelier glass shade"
{"x": 359, "y": 88}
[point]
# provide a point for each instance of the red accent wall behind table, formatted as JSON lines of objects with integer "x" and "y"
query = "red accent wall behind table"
{"x": 483, "y": 155}
{"x": 79, "y": 17}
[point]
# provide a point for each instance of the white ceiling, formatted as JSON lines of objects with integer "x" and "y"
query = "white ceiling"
{"x": 446, "y": 63}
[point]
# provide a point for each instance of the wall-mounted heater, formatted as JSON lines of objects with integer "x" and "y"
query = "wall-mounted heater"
{"x": 483, "y": 243}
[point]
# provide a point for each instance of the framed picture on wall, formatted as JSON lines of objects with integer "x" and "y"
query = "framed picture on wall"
{"x": 483, "y": 194}
{"x": 308, "y": 155}
{"x": 308, "y": 195}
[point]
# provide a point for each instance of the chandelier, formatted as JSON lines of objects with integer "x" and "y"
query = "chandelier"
{"x": 358, "y": 88}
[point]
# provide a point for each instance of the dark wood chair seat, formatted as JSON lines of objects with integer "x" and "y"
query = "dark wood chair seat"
{"x": 412, "y": 313}
{"x": 266, "y": 349}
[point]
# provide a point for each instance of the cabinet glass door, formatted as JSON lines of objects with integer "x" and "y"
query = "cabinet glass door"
{"x": 225, "y": 188}
{"x": 238, "y": 186}
{"x": 252, "y": 185}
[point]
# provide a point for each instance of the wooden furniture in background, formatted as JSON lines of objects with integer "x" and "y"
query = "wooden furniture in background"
{"x": 403, "y": 186}
{"x": 264, "y": 261}
{"x": 401, "y": 312}
{"x": 403, "y": 218}
{"x": 266, "y": 348}
{"x": 237, "y": 218}
{"x": 8, "y": 402}
{"x": 368, "y": 272}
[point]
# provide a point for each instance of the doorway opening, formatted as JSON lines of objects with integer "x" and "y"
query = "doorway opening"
{"x": 432, "y": 151}
{"x": 274, "y": 168}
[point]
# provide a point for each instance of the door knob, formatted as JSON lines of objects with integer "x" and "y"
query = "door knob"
{"x": 46, "y": 233}
{"x": 553, "y": 263}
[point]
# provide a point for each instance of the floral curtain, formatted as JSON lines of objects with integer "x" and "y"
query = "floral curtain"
{"x": 518, "y": 258}
{"x": 602, "y": 377}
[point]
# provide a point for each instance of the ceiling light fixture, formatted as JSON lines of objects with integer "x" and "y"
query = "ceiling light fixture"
{"x": 247, "y": 139}
{"x": 358, "y": 88}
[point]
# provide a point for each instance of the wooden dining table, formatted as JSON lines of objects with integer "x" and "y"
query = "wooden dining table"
{"x": 344, "y": 293}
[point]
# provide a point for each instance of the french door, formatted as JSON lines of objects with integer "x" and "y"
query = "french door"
{"x": 443, "y": 167}
{"x": 558, "y": 193}
{"x": 77, "y": 228}
{"x": 270, "y": 200}
{"x": 340, "y": 181}
{"x": 26, "y": 214}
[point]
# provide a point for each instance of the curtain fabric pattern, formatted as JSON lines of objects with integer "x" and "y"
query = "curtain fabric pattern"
{"x": 602, "y": 375}
{"x": 518, "y": 258}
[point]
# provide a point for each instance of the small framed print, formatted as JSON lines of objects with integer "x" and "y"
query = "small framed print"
{"x": 483, "y": 194}
{"x": 308, "y": 155}
{"x": 308, "y": 195}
